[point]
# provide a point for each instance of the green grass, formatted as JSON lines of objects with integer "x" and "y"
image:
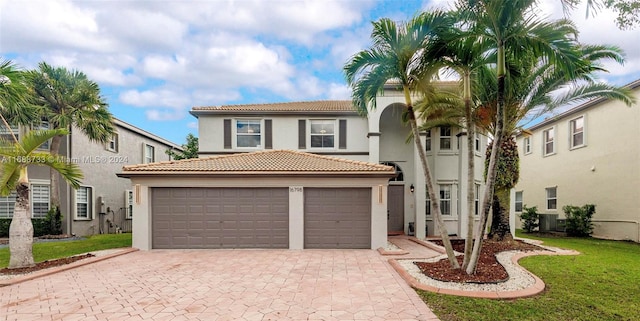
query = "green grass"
{"x": 56, "y": 250}
{"x": 602, "y": 283}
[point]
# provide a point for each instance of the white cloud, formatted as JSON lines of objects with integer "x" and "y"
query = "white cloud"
{"x": 339, "y": 92}
{"x": 164, "y": 115}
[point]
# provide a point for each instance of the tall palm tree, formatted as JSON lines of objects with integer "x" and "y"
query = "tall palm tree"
{"x": 16, "y": 156}
{"x": 513, "y": 27}
{"x": 14, "y": 103}
{"x": 396, "y": 55}
{"x": 530, "y": 91}
{"x": 70, "y": 99}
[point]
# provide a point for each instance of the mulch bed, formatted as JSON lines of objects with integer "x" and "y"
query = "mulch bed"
{"x": 45, "y": 264}
{"x": 488, "y": 269}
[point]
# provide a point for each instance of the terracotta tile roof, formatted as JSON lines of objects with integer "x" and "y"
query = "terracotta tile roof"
{"x": 320, "y": 105}
{"x": 261, "y": 162}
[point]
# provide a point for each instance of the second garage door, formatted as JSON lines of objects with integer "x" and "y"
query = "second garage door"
{"x": 337, "y": 218}
{"x": 187, "y": 218}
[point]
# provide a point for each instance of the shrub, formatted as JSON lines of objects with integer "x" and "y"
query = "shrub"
{"x": 53, "y": 222}
{"x": 529, "y": 218}
{"x": 579, "y": 219}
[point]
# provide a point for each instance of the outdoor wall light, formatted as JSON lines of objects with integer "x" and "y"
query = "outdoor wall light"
{"x": 412, "y": 188}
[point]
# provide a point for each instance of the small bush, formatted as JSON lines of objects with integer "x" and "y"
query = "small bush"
{"x": 529, "y": 218}
{"x": 53, "y": 222}
{"x": 579, "y": 219}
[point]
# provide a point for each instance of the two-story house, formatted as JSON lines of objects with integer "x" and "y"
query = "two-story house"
{"x": 104, "y": 202}
{"x": 587, "y": 155}
{"x": 312, "y": 174}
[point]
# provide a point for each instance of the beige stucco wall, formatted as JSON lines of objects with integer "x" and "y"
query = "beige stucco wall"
{"x": 143, "y": 215}
{"x": 605, "y": 172}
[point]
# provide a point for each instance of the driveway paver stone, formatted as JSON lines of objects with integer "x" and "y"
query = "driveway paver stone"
{"x": 220, "y": 285}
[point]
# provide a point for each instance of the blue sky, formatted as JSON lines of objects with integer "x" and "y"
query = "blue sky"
{"x": 154, "y": 60}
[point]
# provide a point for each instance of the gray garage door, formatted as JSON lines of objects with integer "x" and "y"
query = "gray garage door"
{"x": 192, "y": 218}
{"x": 337, "y": 218}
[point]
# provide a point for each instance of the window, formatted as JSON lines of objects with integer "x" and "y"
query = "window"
{"x": 427, "y": 141}
{"x": 149, "y": 154}
{"x": 576, "y": 126}
{"x": 428, "y": 201}
{"x": 112, "y": 144}
{"x": 445, "y": 137}
{"x": 477, "y": 142}
{"x": 7, "y": 203}
{"x": 84, "y": 197}
{"x": 548, "y": 141}
{"x": 42, "y": 126}
{"x": 248, "y": 133}
{"x": 5, "y": 133}
{"x": 39, "y": 200}
{"x": 322, "y": 133}
{"x": 128, "y": 198}
{"x": 526, "y": 145}
{"x": 400, "y": 175}
{"x": 552, "y": 198}
{"x": 445, "y": 199}
{"x": 477, "y": 199}
{"x": 519, "y": 201}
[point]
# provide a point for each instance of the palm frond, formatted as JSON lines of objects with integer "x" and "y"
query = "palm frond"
{"x": 69, "y": 171}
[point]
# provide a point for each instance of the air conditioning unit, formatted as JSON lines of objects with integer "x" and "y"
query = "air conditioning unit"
{"x": 547, "y": 222}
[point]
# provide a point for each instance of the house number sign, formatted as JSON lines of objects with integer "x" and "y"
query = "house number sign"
{"x": 295, "y": 189}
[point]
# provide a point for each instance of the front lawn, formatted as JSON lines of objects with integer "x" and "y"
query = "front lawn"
{"x": 55, "y": 250}
{"x": 602, "y": 283}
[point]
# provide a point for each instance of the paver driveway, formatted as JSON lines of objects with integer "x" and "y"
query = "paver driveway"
{"x": 220, "y": 285}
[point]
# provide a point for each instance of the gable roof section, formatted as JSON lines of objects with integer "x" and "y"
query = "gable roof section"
{"x": 142, "y": 132}
{"x": 272, "y": 162}
{"x": 303, "y": 107}
{"x": 591, "y": 103}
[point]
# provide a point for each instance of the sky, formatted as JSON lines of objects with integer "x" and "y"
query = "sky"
{"x": 156, "y": 59}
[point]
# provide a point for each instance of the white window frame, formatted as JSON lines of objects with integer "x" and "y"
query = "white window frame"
{"x": 249, "y": 121}
{"x": 6, "y": 133}
{"x": 526, "y": 145}
{"x": 145, "y": 153}
{"x": 90, "y": 203}
{"x": 572, "y": 133}
{"x": 113, "y": 145}
{"x": 333, "y": 122}
{"x": 546, "y": 141}
{"x": 477, "y": 145}
{"x": 548, "y": 198}
{"x": 427, "y": 141}
{"x": 444, "y": 200}
{"x": 8, "y": 203}
{"x": 444, "y": 138}
{"x": 476, "y": 199}
{"x": 34, "y": 198}
{"x": 520, "y": 202}
{"x": 128, "y": 201}
{"x": 427, "y": 201}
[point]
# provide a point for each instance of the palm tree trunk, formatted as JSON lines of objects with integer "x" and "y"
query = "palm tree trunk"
{"x": 427, "y": 175}
{"x": 471, "y": 132}
{"x": 54, "y": 149}
{"x": 21, "y": 228}
{"x": 500, "y": 228}
{"x": 491, "y": 172}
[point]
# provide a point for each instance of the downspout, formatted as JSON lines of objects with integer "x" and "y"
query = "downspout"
{"x": 69, "y": 196}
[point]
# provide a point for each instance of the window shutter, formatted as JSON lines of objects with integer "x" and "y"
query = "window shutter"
{"x": 342, "y": 131}
{"x": 302, "y": 133}
{"x": 268, "y": 140}
{"x": 227, "y": 134}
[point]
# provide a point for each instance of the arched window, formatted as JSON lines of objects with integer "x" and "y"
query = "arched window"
{"x": 400, "y": 176}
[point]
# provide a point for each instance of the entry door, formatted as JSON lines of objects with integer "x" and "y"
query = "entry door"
{"x": 395, "y": 208}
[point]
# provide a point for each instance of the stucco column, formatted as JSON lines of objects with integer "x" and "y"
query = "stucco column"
{"x": 296, "y": 217}
{"x": 379, "y": 215}
{"x": 463, "y": 219}
{"x": 374, "y": 147}
{"x": 141, "y": 222}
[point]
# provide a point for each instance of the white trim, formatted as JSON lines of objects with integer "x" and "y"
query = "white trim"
{"x": 128, "y": 203}
{"x": 32, "y": 198}
{"x": 144, "y": 153}
{"x": 554, "y": 141}
{"x": 234, "y": 133}
{"x": 546, "y": 198}
{"x": 527, "y": 145}
{"x": 515, "y": 201}
{"x": 90, "y": 205}
{"x": 571, "y": 133}
{"x": 115, "y": 149}
{"x": 336, "y": 137}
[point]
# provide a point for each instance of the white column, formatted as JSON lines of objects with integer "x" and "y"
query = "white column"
{"x": 141, "y": 222}
{"x": 296, "y": 217}
{"x": 379, "y": 215}
{"x": 374, "y": 147}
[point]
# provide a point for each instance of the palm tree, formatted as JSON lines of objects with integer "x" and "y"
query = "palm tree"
{"x": 14, "y": 103}
{"x": 17, "y": 156}
{"x": 70, "y": 99}
{"x": 514, "y": 30}
{"x": 397, "y": 55}
{"x": 529, "y": 94}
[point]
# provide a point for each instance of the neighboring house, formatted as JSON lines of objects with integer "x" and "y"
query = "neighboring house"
{"x": 103, "y": 203}
{"x": 313, "y": 197}
{"x": 587, "y": 155}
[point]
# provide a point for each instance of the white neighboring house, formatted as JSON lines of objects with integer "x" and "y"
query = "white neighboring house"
{"x": 103, "y": 203}
{"x": 333, "y": 129}
{"x": 587, "y": 155}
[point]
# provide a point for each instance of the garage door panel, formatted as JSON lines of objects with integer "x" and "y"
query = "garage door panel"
{"x": 337, "y": 218}
{"x": 220, "y": 218}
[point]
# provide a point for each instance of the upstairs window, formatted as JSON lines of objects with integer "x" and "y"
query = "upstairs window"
{"x": 477, "y": 199}
{"x": 427, "y": 141}
{"x": 526, "y": 142}
{"x": 149, "y": 154}
{"x": 6, "y": 133}
{"x": 477, "y": 142}
{"x": 43, "y": 125}
{"x": 248, "y": 133}
{"x": 322, "y": 133}
{"x": 548, "y": 142}
{"x": 113, "y": 143}
{"x": 445, "y": 138}
{"x": 576, "y": 127}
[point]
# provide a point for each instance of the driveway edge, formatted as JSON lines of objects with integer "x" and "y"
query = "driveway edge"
{"x": 65, "y": 267}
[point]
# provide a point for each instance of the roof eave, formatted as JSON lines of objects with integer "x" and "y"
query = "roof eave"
{"x": 381, "y": 174}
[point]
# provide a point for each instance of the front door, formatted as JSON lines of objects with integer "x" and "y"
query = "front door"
{"x": 395, "y": 209}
